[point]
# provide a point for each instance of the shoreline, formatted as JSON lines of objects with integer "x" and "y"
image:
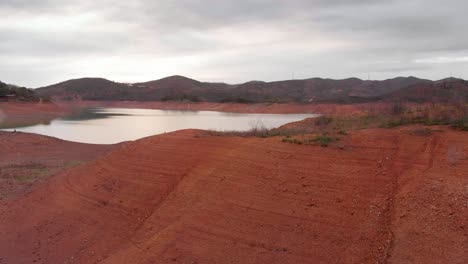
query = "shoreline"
{"x": 21, "y": 114}
{"x": 256, "y": 108}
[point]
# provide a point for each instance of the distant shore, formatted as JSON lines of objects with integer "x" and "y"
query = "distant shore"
{"x": 13, "y": 114}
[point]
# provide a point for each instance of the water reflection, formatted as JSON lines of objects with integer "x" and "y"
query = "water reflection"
{"x": 91, "y": 113}
{"x": 113, "y": 125}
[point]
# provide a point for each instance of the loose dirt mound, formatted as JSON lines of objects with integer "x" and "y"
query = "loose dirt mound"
{"x": 388, "y": 196}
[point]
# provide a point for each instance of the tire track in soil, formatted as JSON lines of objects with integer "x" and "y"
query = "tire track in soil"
{"x": 389, "y": 212}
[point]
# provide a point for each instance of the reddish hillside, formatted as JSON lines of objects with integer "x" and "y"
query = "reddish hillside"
{"x": 446, "y": 91}
{"x": 386, "y": 196}
{"x": 316, "y": 89}
{"x": 88, "y": 89}
{"x": 323, "y": 90}
{"x": 179, "y": 88}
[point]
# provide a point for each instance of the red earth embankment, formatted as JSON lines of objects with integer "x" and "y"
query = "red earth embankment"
{"x": 26, "y": 159}
{"x": 385, "y": 196}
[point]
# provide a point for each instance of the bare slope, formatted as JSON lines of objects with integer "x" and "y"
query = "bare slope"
{"x": 26, "y": 159}
{"x": 185, "y": 197}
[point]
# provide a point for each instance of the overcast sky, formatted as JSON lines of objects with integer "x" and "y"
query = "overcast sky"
{"x": 48, "y": 41}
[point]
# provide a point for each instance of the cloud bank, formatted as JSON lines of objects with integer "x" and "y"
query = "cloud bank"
{"x": 43, "y": 42}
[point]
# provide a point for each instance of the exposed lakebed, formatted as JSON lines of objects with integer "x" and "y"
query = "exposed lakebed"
{"x": 113, "y": 125}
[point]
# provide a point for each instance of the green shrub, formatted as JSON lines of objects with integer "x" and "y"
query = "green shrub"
{"x": 292, "y": 140}
{"x": 239, "y": 100}
{"x": 324, "y": 140}
{"x": 323, "y": 120}
{"x": 343, "y": 132}
{"x": 461, "y": 124}
{"x": 394, "y": 123}
{"x": 398, "y": 108}
{"x": 421, "y": 132}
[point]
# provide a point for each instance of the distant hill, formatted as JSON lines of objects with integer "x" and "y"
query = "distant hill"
{"x": 182, "y": 88}
{"x": 87, "y": 89}
{"x": 179, "y": 88}
{"x": 322, "y": 90}
{"x": 16, "y": 93}
{"x": 446, "y": 90}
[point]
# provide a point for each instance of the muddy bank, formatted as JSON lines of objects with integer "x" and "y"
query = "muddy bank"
{"x": 383, "y": 196}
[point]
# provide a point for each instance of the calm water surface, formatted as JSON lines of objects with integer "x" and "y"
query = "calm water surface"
{"x": 113, "y": 125}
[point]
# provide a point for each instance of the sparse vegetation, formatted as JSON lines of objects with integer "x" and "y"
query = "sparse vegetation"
{"x": 323, "y": 120}
{"x": 421, "y": 131}
{"x": 292, "y": 140}
{"x": 181, "y": 98}
{"x": 461, "y": 124}
{"x": 324, "y": 140}
{"x": 24, "y": 173}
{"x": 72, "y": 163}
{"x": 430, "y": 116}
{"x": 329, "y": 127}
{"x": 343, "y": 132}
{"x": 455, "y": 115}
{"x": 398, "y": 108}
{"x": 263, "y": 133}
{"x": 240, "y": 100}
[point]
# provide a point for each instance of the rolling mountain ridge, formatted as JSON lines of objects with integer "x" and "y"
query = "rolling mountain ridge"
{"x": 180, "y": 88}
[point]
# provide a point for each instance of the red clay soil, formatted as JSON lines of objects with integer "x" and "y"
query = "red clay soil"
{"x": 26, "y": 159}
{"x": 385, "y": 196}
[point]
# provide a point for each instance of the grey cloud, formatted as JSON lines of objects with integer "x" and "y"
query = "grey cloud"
{"x": 238, "y": 40}
{"x": 68, "y": 44}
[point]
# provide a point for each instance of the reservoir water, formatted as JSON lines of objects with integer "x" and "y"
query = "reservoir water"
{"x": 113, "y": 125}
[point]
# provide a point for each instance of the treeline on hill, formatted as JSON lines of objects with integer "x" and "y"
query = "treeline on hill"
{"x": 316, "y": 90}
{"x": 16, "y": 93}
